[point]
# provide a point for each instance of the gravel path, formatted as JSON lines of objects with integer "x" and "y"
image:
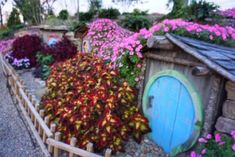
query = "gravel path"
{"x": 15, "y": 138}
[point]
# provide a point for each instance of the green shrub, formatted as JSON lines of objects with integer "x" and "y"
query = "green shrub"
{"x": 86, "y": 16}
{"x": 110, "y": 13}
{"x": 199, "y": 11}
{"x": 135, "y": 23}
{"x": 138, "y": 12}
{"x": 4, "y": 33}
{"x": 14, "y": 18}
{"x": 76, "y": 24}
{"x": 63, "y": 15}
{"x": 43, "y": 69}
{"x": 54, "y": 21}
{"x": 44, "y": 59}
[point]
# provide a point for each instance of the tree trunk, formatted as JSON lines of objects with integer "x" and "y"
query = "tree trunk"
{"x": 78, "y": 10}
{"x": 1, "y": 20}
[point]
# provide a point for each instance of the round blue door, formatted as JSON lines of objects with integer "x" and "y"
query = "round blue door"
{"x": 171, "y": 105}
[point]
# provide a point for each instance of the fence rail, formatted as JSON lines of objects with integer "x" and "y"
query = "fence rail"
{"x": 43, "y": 130}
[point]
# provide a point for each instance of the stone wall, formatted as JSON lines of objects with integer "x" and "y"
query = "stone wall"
{"x": 226, "y": 123}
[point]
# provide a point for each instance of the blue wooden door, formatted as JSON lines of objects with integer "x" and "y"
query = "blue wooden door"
{"x": 171, "y": 112}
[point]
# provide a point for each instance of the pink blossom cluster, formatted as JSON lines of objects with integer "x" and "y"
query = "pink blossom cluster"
{"x": 104, "y": 34}
{"x": 133, "y": 45}
{"x": 228, "y": 13}
{"x": 110, "y": 41}
{"x": 217, "y": 138}
{"x": 5, "y": 45}
{"x": 215, "y": 31}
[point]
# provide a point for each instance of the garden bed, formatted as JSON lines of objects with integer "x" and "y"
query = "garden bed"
{"x": 28, "y": 92}
{"x": 45, "y": 134}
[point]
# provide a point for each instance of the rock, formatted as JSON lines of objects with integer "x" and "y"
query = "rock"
{"x": 146, "y": 140}
{"x": 40, "y": 82}
{"x": 40, "y": 92}
{"x": 230, "y": 88}
{"x": 225, "y": 125}
{"x": 229, "y": 109}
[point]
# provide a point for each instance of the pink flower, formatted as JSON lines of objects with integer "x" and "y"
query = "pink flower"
{"x": 211, "y": 37}
{"x": 233, "y": 147}
{"x": 209, "y": 136}
{"x": 137, "y": 79}
{"x": 166, "y": 29}
{"x": 202, "y": 140}
{"x": 217, "y": 137}
{"x": 138, "y": 65}
{"x": 203, "y": 151}
{"x": 193, "y": 154}
{"x": 233, "y": 133}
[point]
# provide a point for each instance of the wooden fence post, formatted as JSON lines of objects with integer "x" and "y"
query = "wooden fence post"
{"x": 41, "y": 113}
{"x": 89, "y": 147}
{"x": 73, "y": 142}
{"x": 47, "y": 119}
{"x": 52, "y": 128}
{"x": 108, "y": 153}
{"x": 57, "y": 138}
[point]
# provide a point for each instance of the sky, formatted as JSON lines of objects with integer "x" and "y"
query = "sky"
{"x": 152, "y": 6}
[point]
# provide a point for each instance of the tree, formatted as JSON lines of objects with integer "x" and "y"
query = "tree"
{"x": 2, "y": 3}
{"x": 48, "y": 7}
{"x": 95, "y": 5}
{"x": 78, "y": 9}
{"x": 63, "y": 15}
{"x": 30, "y": 9}
{"x": 178, "y": 7}
{"x": 14, "y": 18}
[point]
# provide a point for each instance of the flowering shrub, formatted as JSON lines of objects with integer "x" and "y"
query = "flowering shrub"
{"x": 212, "y": 33}
{"x": 128, "y": 56}
{"x": 26, "y": 47}
{"x": 228, "y": 13}
{"x": 104, "y": 34}
{"x": 124, "y": 49}
{"x": 61, "y": 50}
{"x": 110, "y": 42}
{"x": 219, "y": 145}
{"x": 5, "y": 45}
{"x": 18, "y": 64}
{"x": 87, "y": 101}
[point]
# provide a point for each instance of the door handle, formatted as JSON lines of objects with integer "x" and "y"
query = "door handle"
{"x": 150, "y": 101}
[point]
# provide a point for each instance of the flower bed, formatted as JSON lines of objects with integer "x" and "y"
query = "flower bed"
{"x": 217, "y": 145}
{"x": 211, "y": 33}
{"x": 29, "y": 51}
{"x": 87, "y": 101}
{"x": 230, "y": 13}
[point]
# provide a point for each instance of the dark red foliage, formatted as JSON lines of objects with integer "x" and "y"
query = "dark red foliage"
{"x": 62, "y": 50}
{"x": 27, "y": 47}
